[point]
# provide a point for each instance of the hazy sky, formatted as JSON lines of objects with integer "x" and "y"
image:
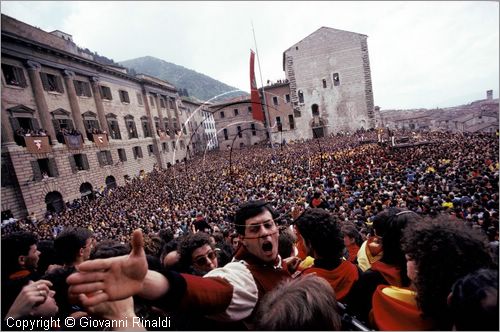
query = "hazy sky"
{"x": 422, "y": 54}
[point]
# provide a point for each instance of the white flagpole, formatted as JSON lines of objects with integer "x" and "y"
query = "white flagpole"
{"x": 266, "y": 111}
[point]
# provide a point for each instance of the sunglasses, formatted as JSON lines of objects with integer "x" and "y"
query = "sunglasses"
{"x": 204, "y": 259}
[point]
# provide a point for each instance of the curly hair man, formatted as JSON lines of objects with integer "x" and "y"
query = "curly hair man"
{"x": 438, "y": 252}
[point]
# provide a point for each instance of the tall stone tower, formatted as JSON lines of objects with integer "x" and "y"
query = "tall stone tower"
{"x": 330, "y": 82}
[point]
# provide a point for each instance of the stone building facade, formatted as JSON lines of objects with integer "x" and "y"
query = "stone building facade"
{"x": 279, "y": 106}
{"x": 477, "y": 116}
{"x": 201, "y": 124}
{"x": 327, "y": 89}
{"x": 235, "y": 125}
{"x": 210, "y": 135}
{"x": 48, "y": 83}
{"x": 330, "y": 82}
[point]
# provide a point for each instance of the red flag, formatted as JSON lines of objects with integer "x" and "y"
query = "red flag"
{"x": 38, "y": 144}
{"x": 257, "y": 113}
{"x": 100, "y": 140}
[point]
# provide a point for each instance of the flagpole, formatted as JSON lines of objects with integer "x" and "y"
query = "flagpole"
{"x": 266, "y": 111}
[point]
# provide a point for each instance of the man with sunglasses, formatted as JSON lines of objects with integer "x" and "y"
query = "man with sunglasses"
{"x": 197, "y": 256}
{"x": 227, "y": 294}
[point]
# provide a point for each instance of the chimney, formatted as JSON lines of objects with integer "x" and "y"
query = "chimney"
{"x": 489, "y": 94}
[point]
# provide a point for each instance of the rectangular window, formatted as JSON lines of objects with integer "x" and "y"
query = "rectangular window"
{"x": 151, "y": 100}
{"x": 222, "y": 115}
{"x": 124, "y": 96}
{"x": 239, "y": 132}
{"x": 275, "y": 101}
{"x": 51, "y": 82}
{"x": 82, "y": 88}
{"x": 137, "y": 152}
{"x": 287, "y": 98}
{"x": 90, "y": 124}
{"x": 235, "y": 112}
{"x": 14, "y": 75}
{"x": 145, "y": 128}
{"x": 22, "y": 123}
{"x": 254, "y": 132}
{"x": 105, "y": 92}
{"x": 164, "y": 147}
{"x": 279, "y": 124}
{"x": 79, "y": 162}
{"x": 336, "y": 79}
{"x": 173, "y": 145}
{"x": 324, "y": 83}
{"x": 44, "y": 168}
{"x": 60, "y": 124}
{"x": 104, "y": 158}
{"x": 162, "y": 103}
{"x": 114, "y": 129}
{"x": 122, "y": 155}
{"x": 132, "y": 132}
{"x": 150, "y": 149}
{"x": 139, "y": 99}
{"x": 249, "y": 109}
{"x": 225, "y": 135}
{"x": 292, "y": 121}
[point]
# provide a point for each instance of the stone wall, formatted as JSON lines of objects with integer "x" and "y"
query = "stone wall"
{"x": 230, "y": 121}
{"x": 315, "y": 60}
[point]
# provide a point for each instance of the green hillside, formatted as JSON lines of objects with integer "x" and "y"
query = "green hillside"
{"x": 188, "y": 82}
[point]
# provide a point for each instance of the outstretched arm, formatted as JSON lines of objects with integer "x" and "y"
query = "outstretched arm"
{"x": 117, "y": 278}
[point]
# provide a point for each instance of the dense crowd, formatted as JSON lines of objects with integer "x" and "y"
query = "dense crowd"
{"x": 457, "y": 174}
{"x": 350, "y": 177}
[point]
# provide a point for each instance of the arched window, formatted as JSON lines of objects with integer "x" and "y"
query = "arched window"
{"x": 301, "y": 96}
{"x": 54, "y": 201}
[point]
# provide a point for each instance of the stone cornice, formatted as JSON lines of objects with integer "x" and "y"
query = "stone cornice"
{"x": 68, "y": 73}
{"x": 12, "y": 38}
{"x": 33, "y": 65}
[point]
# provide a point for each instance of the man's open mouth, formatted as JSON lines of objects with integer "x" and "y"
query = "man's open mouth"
{"x": 267, "y": 246}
